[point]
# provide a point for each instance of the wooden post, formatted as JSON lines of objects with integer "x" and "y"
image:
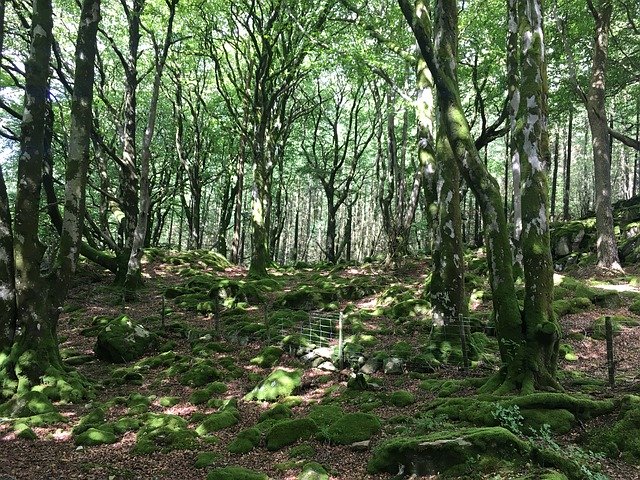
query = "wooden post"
{"x": 463, "y": 344}
{"x": 611, "y": 364}
{"x": 340, "y": 340}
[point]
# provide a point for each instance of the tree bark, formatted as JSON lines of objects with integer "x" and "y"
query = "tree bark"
{"x": 566, "y": 214}
{"x": 606, "y": 244}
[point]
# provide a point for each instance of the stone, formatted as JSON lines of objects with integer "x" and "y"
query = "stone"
{"x": 371, "y": 366}
{"x": 327, "y": 366}
{"x": 562, "y": 247}
{"x": 324, "y": 352}
{"x": 123, "y": 340}
{"x": 393, "y": 366}
{"x": 308, "y": 357}
{"x": 360, "y": 446}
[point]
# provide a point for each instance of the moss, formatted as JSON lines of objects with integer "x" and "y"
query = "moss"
{"x": 203, "y": 395}
{"x": 27, "y": 405}
{"x": 206, "y": 459}
{"x": 165, "y": 359}
{"x": 24, "y": 432}
{"x": 126, "y": 424}
{"x": 325, "y": 415}
{"x": 246, "y": 441}
{"x": 138, "y": 403}
{"x": 200, "y": 374}
{"x": 289, "y": 431}
{"x": 401, "y": 398}
{"x": 573, "y": 305}
{"x": 277, "y": 412}
{"x": 168, "y": 401}
{"x": 635, "y": 307}
{"x": 559, "y": 420}
{"x": 279, "y": 384}
{"x": 617, "y": 322}
{"x": 303, "y": 451}
{"x": 218, "y": 421}
{"x": 94, "y": 436}
{"x": 123, "y": 340}
{"x": 353, "y": 427}
{"x": 443, "y": 452}
{"x": 566, "y": 352}
{"x": 622, "y": 439}
{"x": 313, "y": 471}
{"x": 268, "y": 357}
{"x": 164, "y": 433}
{"x": 236, "y": 473}
{"x": 92, "y": 419}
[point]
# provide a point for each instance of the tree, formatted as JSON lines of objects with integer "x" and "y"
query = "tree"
{"x": 529, "y": 342}
{"x": 29, "y": 346}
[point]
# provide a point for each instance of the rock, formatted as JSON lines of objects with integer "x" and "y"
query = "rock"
{"x": 361, "y": 446}
{"x": 279, "y": 384}
{"x": 371, "y": 366}
{"x": 324, "y": 352}
{"x": 577, "y": 239}
{"x": 327, "y": 366}
{"x": 122, "y": 340}
{"x": 308, "y": 357}
{"x": 313, "y": 471}
{"x": 393, "y": 366}
{"x": 562, "y": 247}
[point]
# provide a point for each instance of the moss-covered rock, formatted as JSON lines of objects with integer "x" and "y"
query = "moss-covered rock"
{"x": 313, "y": 471}
{"x": 168, "y": 401}
{"x": 289, "y": 431}
{"x": 279, "y": 384}
{"x": 206, "y": 459}
{"x": 617, "y": 322}
{"x": 164, "y": 433}
{"x": 92, "y": 419}
{"x": 444, "y": 452}
{"x": 325, "y": 415}
{"x": 353, "y": 427}
{"x": 200, "y": 373}
{"x": 304, "y": 451}
{"x": 246, "y": 441}
{"x": 268, "y": 357}
{"x": 123, "y": 340}
{"x": 236, "y": 473}
{"x": 27, "y": 405}
{"x": 203, "y": 395}
{"x": 623, "y": 437}
{"x": 217, "y": 421}
{"x": 277, "y": 412}
{"x": 95, "y": 436}
{"x": 572, "y": 305}
{"x": 401, "y": 398}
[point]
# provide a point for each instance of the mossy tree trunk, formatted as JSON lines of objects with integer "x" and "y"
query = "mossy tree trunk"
{"x": 541, "y": 329}
{"x": 34, "y": 357}
{"x": 607, "y": 248}
{"x": 523, "y": 351}
{"x": 447, "y": 285}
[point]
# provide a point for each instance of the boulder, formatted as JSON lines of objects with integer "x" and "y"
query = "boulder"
{"x": 393, "y": 366}
{"x": 123, "y": 340}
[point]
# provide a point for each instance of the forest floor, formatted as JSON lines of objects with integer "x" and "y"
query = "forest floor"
{"x": 386, "y": 319}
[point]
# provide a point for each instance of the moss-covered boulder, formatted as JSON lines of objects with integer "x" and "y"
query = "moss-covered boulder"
{"x": 206, "y": 459}
{"x": 95, "y": 436}
{"x": 353, "y": 427}
{"x": 236, "y": 473}
{"x": 203, "y": 395}
{"x": 123, "y": 340}
{"x": 279, "y": 384}
{"x": 401, "y": 398}
{"x": 622, "y": 439}
{"x": 277, "y": 412}
{"x": 598, "y": 330}
{"x": 268, "y": 357}
{"x": 200, "y": 373}
{"x": 217, "y": 421}
{"x": 444, "y": 452}
{"x": 313, "y": 471}
{"x": 27, "y": 405}
{"x": 325, "y": 415}
{"x": 289, "y": 431}
{"x": 164, "y": 433}
{"x": 246, "y": 441}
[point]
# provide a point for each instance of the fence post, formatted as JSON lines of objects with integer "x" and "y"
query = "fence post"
{"x": 340, "y": 342}
{"x": 463, "y": 344}
{"x": 611, "y": 364}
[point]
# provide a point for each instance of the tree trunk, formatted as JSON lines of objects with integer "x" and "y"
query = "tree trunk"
{"x": 260, "y": 209}
{"x": 606, "y": 245}
{"x": 566, "y": 214}
{"x": 554, "y": 182}
{"x": 541, "y": 330}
